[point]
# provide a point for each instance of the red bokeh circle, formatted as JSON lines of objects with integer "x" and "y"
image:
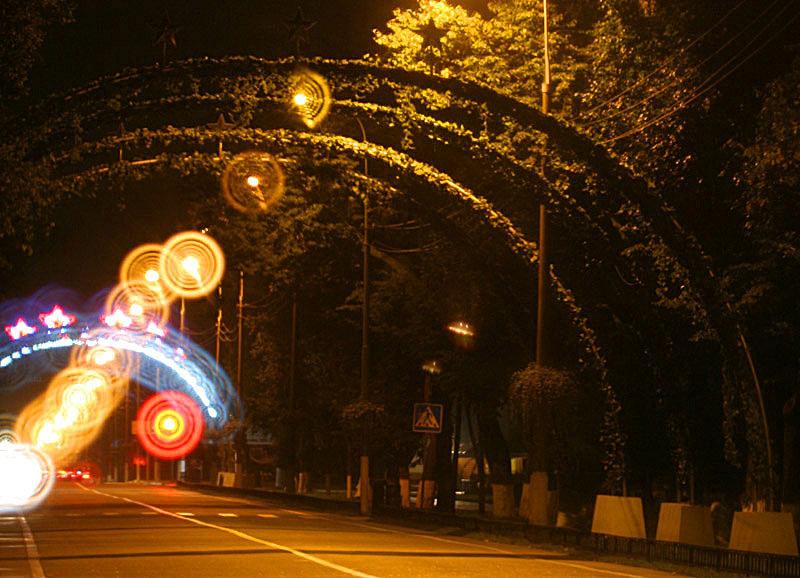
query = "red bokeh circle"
{"x": 170, "y": 425}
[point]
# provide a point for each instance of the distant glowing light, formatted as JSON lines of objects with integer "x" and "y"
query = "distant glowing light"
{"x": 56, "y": 319}
{"x": 152, "y": 276}
{"x": 19, "y": 329}
{"x": 461, "y": 328}
{"x": 136, "y": 310}
{"x": 300, "y": 99}
{"x": 252, "y": 181}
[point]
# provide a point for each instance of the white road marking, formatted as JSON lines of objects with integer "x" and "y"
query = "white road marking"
{"x": 267, "y": 515}
{"x": 179, "y": 513}
{"x": 242, "y": 535}
{"x": 493, "y": 549}
{"x": 227, "y": 515}
{"x": 303, "y": 514}
{"x": 30, "y": 547}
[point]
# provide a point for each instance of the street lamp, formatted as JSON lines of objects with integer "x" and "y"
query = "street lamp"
{"x": 364, "y": 391}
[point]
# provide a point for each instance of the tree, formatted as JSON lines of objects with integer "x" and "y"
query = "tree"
{"x": 24, "y": 26}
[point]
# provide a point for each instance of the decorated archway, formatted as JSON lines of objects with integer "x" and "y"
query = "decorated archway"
{"x": 622, "y": 258}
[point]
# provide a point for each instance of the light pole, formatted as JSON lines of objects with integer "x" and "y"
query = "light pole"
{"x": 364, "y": 489}
{"x": 539, "y": 484}
{"x": 543, "y": 263}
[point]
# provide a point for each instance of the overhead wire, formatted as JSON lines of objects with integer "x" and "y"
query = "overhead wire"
{"x": 665, "y": 64}
{"x": 676, "y": 81}
{"x": 705, "y": 86}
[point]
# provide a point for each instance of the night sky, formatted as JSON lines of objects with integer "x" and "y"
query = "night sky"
{"x": 108, "y": 36}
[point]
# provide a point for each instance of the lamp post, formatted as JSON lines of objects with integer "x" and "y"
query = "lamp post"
{"x": 364, "y": 489}
{"x": 543, "y": 262}
{"x": 539, "y": 484}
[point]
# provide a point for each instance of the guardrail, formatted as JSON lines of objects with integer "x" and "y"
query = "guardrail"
{"x": 720, "y": 559}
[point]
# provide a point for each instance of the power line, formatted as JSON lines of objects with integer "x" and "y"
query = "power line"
{"x": 698, "y": 93}
{"x": 681, "y": 79}
{"x": 666, "y": 63}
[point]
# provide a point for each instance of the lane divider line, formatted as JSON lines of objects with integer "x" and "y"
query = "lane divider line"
{"x": 492, "y": 548}
{"x": 30, "y": 547}
{"x": 242, "y": 535}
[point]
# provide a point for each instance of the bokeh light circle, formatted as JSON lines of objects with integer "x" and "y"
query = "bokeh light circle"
{"x": 26, "y": 476}
{"x": 170, "y": 424}
{"x": 141, "y": 302}
{"x": 310, "y": 96}
{"x": 192, "y": 264}
{"x": 253, "y": 181}
{"x": 142, "y": 266}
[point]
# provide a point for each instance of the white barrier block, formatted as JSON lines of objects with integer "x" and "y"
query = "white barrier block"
{"x": 618, "y": 516}
{"x": 769, "y": 532}
{"x": 686, "y": 524}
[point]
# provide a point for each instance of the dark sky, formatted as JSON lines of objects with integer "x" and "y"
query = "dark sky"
{"x": 108, "y": 35}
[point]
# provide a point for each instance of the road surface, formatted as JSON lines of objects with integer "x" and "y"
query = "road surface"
{"x": 159, "y": 531}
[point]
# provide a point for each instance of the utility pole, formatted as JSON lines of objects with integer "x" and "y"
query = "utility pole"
{"x": 364, "y": 482}
{"x": 544, "y": 272}
{"x": 237, "y": 459}
{"x": 539, "y": 483}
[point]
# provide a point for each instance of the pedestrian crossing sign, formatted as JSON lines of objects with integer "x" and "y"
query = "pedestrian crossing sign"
{"x": 427, "y": 417}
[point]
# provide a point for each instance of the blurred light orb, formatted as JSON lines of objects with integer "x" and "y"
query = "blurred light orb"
{"x": 26, "y": 476}
{"x": 138, "y": 302}
{"x": 170, "y": 424}
{"x": 141, "y": 267}
{"x": 192, "y": 264}
{"x": 300, "y": 99}
{"x": 253, "y": 181}
{"x": 311, "y": 96}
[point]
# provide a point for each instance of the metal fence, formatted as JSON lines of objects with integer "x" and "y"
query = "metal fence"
{"x": 748, "y": 563}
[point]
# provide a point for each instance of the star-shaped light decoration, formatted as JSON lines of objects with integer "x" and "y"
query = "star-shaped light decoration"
{"x": 220, "y": 125}
{"x": 19, "y": 329}
{"x": 431, "y": 35}
{"x": 117, "y": 319}
{"x": 56, "y": 319}
{"x": 298, "y": 29}
{"x": 156, "y": 329}
{"x": 166, "y": 37}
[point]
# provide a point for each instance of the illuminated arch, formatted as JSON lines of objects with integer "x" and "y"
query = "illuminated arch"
{"x": 622, "y": 223}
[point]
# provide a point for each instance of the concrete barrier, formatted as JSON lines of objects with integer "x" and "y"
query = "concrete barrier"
{"x": 686, "y": 524}
{"x": 226, "y": 479}
{"x": 769, "y": 532}
{"x": 618, "y": 516}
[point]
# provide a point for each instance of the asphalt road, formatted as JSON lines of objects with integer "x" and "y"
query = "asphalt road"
{"x": 159, "y": 531}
